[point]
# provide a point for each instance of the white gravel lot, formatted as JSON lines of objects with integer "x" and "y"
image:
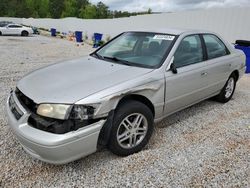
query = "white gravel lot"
{"x": 207, "y": 145}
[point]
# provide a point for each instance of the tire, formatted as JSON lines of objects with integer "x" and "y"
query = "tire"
{"x": 24, "y": 33}
{"x": 0, "y": 33}
{"x": 128, "y": 138}
{"x": 228, "y": 90}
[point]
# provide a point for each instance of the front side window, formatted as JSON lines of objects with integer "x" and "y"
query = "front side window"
{"x": 215, "y": 47}
{"x": 141, "y": 49}
{"x": 189, "y": 51}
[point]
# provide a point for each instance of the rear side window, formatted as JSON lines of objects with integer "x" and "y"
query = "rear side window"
{"x": 189, "y": 51}
{"x": 215, "y": 47}
{"x": 14, "y": 26}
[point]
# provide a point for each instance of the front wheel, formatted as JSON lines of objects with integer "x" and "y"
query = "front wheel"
{"x": 228, "y": 90}
{"x": 132, "y": 128}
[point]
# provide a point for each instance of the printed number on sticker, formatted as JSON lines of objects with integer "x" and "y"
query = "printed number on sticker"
{"x": 163, "y": 37}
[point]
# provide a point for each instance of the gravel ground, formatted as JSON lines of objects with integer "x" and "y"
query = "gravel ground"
{"x": 207, "y": 145}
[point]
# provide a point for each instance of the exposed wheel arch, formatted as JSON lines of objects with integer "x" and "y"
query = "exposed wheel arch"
{"x": 139, "y": 98}
{"x": 236, "y": 74}
{"x": 106, "y": 129}
{"x": 227, "y": 91}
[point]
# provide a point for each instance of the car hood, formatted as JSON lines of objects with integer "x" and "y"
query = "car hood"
{"x": 70, "y": 81}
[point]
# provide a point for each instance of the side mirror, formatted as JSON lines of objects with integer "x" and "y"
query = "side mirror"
{"x": 171, "y": 66}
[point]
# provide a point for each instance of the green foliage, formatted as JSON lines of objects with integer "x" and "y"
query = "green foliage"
{"x": 43, "y": 9}
{"x": 56, "y": 8}
{"x": 70, "y": 9}
{"x": 80, "y": 5}
{"x": 60, "y": 8}
{"x": 102, "y": 10}
{"x": 89, "y": 12}
{"x": 102, "y": 42}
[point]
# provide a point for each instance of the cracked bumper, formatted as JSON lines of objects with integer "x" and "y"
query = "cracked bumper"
{"x": 53, "y": 148}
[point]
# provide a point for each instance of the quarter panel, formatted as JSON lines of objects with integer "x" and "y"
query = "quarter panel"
{"x": 150, "y": 85}
{"x": 218, "y": 72}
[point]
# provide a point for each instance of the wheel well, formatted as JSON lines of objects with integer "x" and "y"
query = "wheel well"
{"x": 106, "y": 129}
{"x": 139, "y": 98}
{"x": 236, "y": 73}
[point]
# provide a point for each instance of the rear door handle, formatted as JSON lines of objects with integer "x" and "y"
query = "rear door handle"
{"x": 204, "y": 74}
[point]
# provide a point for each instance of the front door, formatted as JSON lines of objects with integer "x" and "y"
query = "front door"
{"x": 187, "y": 86}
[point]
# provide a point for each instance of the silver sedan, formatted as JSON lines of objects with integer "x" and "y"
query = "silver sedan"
{"x": 112, "y": 98}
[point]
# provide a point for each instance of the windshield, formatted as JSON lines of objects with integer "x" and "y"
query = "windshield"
{"x": 137, "y": 49}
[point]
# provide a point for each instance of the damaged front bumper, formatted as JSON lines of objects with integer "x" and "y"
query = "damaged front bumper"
{"x": 50, "y": 147}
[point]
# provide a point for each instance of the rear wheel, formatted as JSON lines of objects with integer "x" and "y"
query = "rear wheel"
{"x": 25, "y": 33}
{"x": 0, "y": 33}
{"x": 132, "y": 128}
{"x": 228, "y": 90}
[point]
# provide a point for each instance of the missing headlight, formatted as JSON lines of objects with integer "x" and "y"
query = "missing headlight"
{"x": 58, "y": 126}
{"x": 82, "y": 112}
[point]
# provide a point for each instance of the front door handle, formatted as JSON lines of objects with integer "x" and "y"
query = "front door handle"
{"x": 204, "y": 74}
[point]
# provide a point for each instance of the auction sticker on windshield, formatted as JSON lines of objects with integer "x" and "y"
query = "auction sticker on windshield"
{"x": 164, "y": 37}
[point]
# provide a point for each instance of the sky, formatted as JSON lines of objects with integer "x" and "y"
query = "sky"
{"x": 169, "y": 5}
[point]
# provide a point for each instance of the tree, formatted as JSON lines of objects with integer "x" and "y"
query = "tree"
{"x": 27, "y": 9}
{"x": 11, "y": 7}
{"x": 60, "y": 8}
{"x": 70, "y": 9}
{"x": 3, "y": 7}
{"x": 56, "y": 8}
{"x": 80, "y": 5}
{"x": 102, "y": 10}
{"x": 43, "y": 9}
{"x": 89, "y": 12}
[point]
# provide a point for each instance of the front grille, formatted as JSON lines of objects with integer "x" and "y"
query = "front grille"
{"x": 26, "y": 102}
{"x": 14, "y": 108}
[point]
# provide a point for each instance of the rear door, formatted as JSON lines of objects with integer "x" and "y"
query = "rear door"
{"x": 218, "y": 63}
{"x": 187, "y": 86}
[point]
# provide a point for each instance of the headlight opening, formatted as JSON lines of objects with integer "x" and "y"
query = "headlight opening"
{"x": 82, "y": 112}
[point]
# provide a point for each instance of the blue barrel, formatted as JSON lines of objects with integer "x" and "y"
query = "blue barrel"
{"x": 246, "y": 50}
{"x": 53, "y": 32}
{"x": 97, "y": 39}
{"x": 78, "y": 35}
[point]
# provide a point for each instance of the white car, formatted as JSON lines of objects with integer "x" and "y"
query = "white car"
{"x": 16, "y": 29}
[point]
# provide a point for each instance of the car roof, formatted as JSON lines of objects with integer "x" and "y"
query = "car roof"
{"x": 13, "y": 24}
{"x": 173, "y": 31}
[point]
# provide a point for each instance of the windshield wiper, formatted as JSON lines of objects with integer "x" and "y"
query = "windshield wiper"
{"x": 122, "y": 61}
{"x": 114, "y": 59}
{"x": 97, "y": 55}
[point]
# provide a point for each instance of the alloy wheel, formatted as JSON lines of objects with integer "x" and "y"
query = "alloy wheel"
{"x": 132, "y": 130}
{"x": 229, "y": 88}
